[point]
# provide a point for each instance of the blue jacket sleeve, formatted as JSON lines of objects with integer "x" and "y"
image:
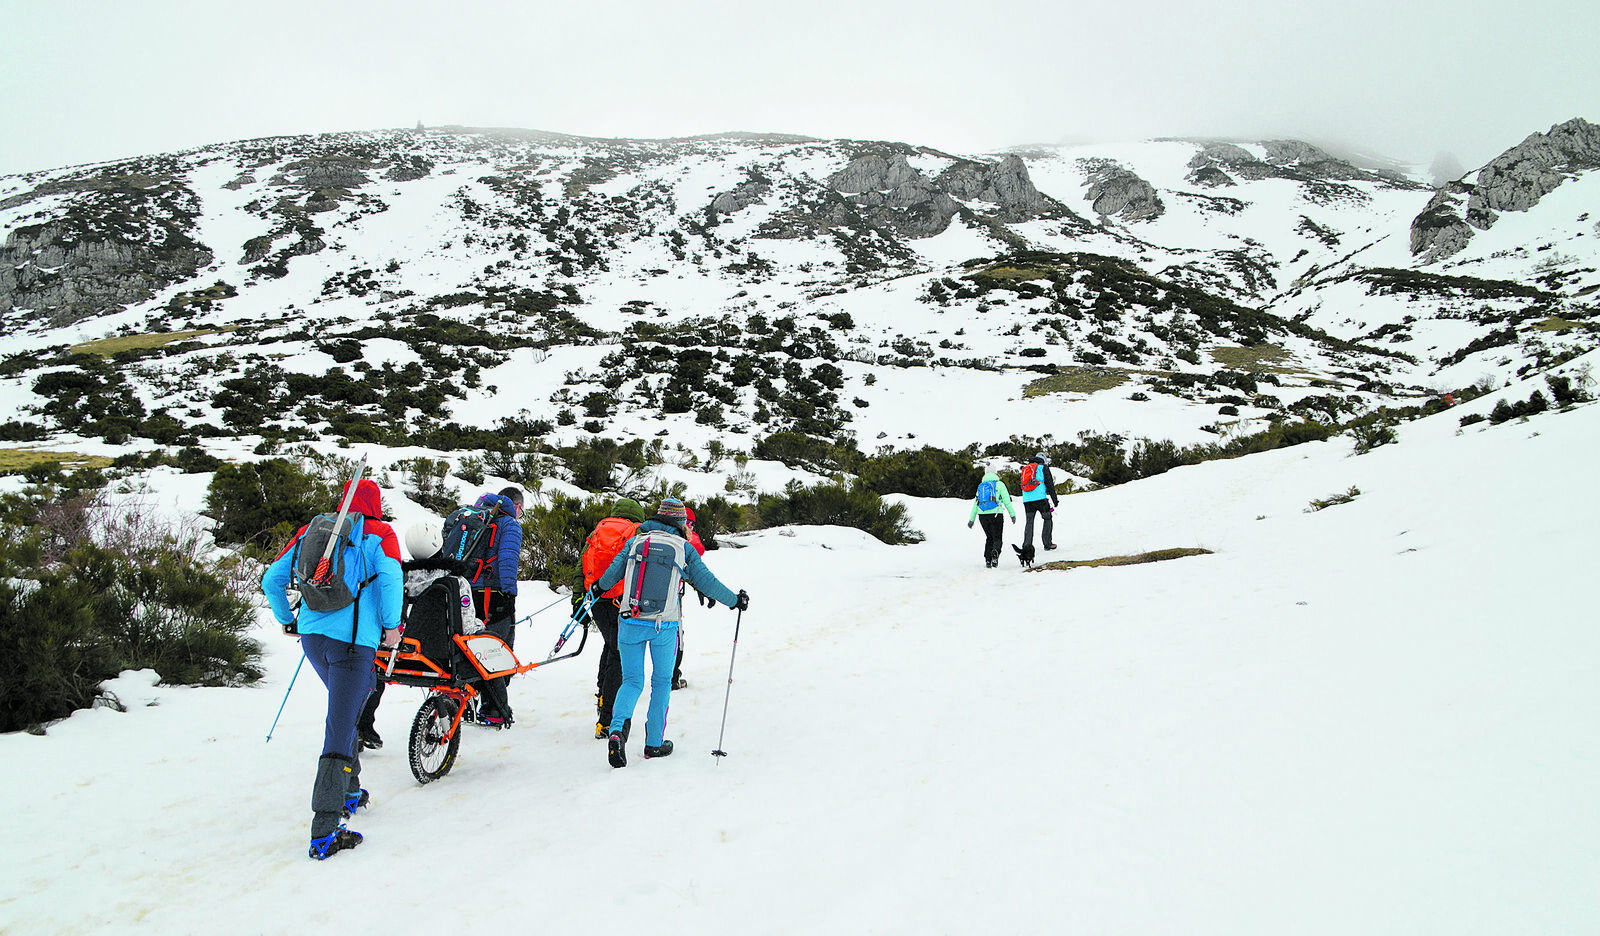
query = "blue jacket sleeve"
{"x": 509, "y": 554}
{"x": 392, "y": 589}
{"x": 275, "y": 583}
{"x": 704, "y": 582}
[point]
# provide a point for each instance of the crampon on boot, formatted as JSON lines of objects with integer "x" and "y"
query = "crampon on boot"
{"x": 336, "y": 841}
{"x": 354, "y": 801}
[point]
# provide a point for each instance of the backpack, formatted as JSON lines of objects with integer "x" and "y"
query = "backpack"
{"x": 602, "y": 546}
{"x": 651, "y": 579}
{"x": 469, "y": 538}
{"x": 332, "y": 594}
{"x": 437, "y": 607}
{"x": 988, "y": 496}
{"x": 1030, "y": 476}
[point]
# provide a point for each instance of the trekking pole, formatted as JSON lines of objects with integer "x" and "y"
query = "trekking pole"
{"x": 526, "y": 618}
{"x": 285, "y": 697}
{"x": 719, "y": 752}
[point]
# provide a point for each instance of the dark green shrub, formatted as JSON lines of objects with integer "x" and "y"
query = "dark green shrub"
{"x": 836, "y": 505}
{"x": 553, "y": 537}
{"x": 55, "y": 659}
{"x": 926, "y": 472}
{"x": 263, "y": 503}
{"x": 798, "y": 450}
{"x": 1370, "y": 435}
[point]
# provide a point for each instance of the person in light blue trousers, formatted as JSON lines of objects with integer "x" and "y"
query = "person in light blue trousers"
{"x": 651, "y": 564}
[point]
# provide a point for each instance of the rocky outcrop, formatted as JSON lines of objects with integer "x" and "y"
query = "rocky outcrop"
{"x": 1513, "y": 181}
{"x": 1005, "y": 184}
{"x": 1516, "y": 179}
{"x": 1221, "y": 163}
{"x": 1117, "y": 192}
{"x": 327, "y": 172}
{"x": 48, "y": 268}
{"x": 1439, "y": 230}
{"x": 874, "y": 173}
{"x": 744, "y": 195}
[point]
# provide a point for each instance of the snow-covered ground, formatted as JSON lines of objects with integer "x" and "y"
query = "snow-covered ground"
{"x": 1375, "y": 718}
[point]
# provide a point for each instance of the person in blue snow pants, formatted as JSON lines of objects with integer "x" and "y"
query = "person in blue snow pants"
{"x": 660, "y": 639}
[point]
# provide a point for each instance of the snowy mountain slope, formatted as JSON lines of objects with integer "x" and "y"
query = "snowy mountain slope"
{"x": 1373, "y": 717}
{"x": 875, "y": 257}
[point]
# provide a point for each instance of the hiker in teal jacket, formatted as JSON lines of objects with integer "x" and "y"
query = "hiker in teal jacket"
{"x": 992, "y": 497}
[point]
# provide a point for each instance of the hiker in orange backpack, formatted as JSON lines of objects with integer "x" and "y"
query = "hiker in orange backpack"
{"x": 1038, "y": 497}
{"x": 602, "y": 546}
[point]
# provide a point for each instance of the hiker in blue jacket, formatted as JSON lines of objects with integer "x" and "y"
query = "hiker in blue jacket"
{"x": 991, "y": 497}
{"x": 650, "y": 566}
{"x": 340, "y": 646}
{"x": 1038, "y": 498}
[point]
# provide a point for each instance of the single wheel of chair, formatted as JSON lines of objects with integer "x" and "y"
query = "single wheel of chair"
{"x": 432, "y": 755}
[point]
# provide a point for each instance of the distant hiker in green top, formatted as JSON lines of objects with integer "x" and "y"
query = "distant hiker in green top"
{"x": 992, "y": 497}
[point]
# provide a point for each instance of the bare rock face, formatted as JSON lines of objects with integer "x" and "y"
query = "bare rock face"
{"x": 745, "y": 194}
{"x": 1439, "y": 230}
{"x": 1117, "y": 192}
{"x": 1513, "y": 181}
{"x": 1516, "y": 179}
{"x": 874, "y": 173}
{"x": 119, "y": 236}
{"x": 1006, "y": 184}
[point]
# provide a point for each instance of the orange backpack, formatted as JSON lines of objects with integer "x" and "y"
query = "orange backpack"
{"x": 603, "y": 545}
{"x": 1030, "y": 476}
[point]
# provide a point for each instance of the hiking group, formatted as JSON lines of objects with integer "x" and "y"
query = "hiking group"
{"x": 356, "y": 592}
{"x": 1038, "y": 500}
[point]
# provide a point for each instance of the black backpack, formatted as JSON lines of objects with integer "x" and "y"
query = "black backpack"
{"x": 469, "y": 539}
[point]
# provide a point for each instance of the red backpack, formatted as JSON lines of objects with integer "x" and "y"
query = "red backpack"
{"x": 1030, "y": 476}
{"x": 603, "y": 545}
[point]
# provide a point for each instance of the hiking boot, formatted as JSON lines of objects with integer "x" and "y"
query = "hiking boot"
{"x": 369, "y": 738}
{"x": 627, "y": 728}
{"x": 1049, "y": 546}
{"x": 354, "y": 801}
{"x": 336, "y": 841}
{"x": 616, "y": 753}
{"x": 600, "y": 732}
{"x": 663, "y": 750}
{"x": 496, "y": 722}
{"x": 680, "y": 683}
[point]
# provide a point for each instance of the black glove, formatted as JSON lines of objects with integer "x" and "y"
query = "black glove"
{"x": 595, "y": 593}
{"x": 706, "y": 600}
{"x": 743, "y": 601}
{"x": 969, "y": 524}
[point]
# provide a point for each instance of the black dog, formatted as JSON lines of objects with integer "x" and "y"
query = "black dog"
{"x": 1024, "y": 555}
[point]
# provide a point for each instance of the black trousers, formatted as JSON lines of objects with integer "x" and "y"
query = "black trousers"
{"x": 609, "y": 676}
{"x": 501, "y": 622}
{"x": 994, "y": 533}
{"x": 1042, "y": 509}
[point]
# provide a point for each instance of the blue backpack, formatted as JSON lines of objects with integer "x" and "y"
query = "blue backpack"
{"x": 988, "y": 496}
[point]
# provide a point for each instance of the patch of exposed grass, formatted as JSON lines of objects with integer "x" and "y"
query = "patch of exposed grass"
{"x": 1260, "y": 359}
{"x": 16, "y": 460}
{"x": 106, "y": 347}
{"x": 1077, "y": 380}
{"x": 1556, "y": 323}
{"x": 1159, "y": 555}
{"x": 1013, "y": 273}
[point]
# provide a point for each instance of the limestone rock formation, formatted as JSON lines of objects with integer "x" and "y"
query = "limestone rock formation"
{"x": 1516, "y": 179}
{"x": 1117, "y": 192}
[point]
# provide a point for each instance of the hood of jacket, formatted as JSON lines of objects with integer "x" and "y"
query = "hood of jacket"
{"x": 990, "y": 476}
{"x": 367, "y": 500}
{"x": 500, "y": 501}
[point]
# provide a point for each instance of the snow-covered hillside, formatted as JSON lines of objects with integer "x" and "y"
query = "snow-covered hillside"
{"x": 450, "y": 259}
{"x": 1376, "y": 718}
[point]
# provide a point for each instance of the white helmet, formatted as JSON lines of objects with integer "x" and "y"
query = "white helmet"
{"x": 424, "y": 540}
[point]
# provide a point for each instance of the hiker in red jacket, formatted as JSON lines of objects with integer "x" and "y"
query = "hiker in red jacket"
{"x": 678, "y": 682}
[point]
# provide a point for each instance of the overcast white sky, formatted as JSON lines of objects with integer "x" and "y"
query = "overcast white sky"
{"x": 87, "y": 81}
